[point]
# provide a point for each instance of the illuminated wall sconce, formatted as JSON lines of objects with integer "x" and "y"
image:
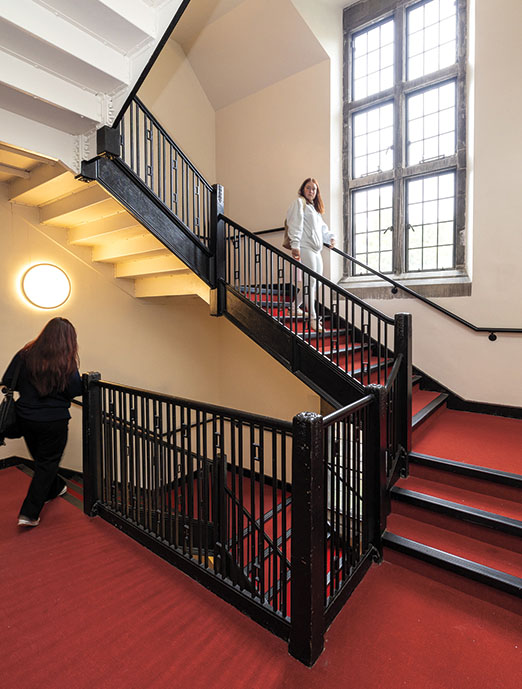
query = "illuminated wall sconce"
{"x": 46, "y": 286}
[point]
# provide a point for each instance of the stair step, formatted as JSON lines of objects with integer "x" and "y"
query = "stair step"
{"x": 91, "y": 203}
{"x": 463, "y": 496}
{"x": 107, "y": 228}
{"x": 421, "y": 399}
{"x": 140, "y": 245}
{"x": 480, "y": 524}
{"x": 165, "y": 263}
{"x": 458, "y": 544}
{"x": 500, "y": 484}
{"x": 480, "y": 439}
{"x": 45, "y": 182}
{"x": 435, "y": 403}
{"x": 470, "y": 569}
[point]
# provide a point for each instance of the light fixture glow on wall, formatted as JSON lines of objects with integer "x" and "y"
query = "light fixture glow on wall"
{"x": 46, "y": 286}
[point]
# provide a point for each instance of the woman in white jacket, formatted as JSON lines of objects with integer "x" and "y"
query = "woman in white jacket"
{"x": 308, "y": 232}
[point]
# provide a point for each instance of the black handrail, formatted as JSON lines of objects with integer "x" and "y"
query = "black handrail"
{"x": 397, "y": 285}
{"x": 408, "y": 290}
{"x": 349, "y": 408}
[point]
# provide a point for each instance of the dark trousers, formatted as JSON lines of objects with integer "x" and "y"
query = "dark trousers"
{"x": 46, "y": 441}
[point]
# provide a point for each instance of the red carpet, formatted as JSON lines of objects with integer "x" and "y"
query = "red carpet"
{"x": 420, "y": 399}
{"x": 459, "y": 495}
{"x": 83, "y": 606}
{"x": 488, "y": 441}
{"x": 464, "y": 541}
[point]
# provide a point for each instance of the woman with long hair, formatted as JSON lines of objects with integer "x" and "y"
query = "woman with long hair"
{"x": 308, "y": 232}
{"x": 47, "y": 381}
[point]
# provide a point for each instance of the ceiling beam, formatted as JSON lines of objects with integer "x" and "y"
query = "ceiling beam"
{"x": 21, "y": 76}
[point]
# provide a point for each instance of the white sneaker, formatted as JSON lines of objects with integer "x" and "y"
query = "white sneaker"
{"x": 62, "y": 492}
{"x": 25, "y": 521}
{"x": 316, "y": 325}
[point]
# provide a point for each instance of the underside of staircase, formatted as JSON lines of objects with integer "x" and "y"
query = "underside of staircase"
{"x": 97, "y": 220}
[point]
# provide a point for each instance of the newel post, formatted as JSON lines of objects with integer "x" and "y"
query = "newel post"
{"x": 378, "y": 503}
{"x": 108, "y": 142}
{"x": 92, "y": 445}
{"x": 403, "y": 345}
{"x": 308, "y": 537}
{"x": 217, "y": 248}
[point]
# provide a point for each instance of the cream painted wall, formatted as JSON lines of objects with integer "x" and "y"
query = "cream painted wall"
{"x": 325, "y": 19}
{"x": 174, "y": 347}
{"x": 174, "y": 95}
{"x": 269, "y": 142}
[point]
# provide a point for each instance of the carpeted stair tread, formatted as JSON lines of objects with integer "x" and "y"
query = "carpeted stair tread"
{"x": 483, "y": 440}
{"x": 480, "y": 501}
{"x": 421, "y": 398}
{"x": 448, "y": 568}
{"x": 477, "y": 479}
{"x": 457, "y": 544}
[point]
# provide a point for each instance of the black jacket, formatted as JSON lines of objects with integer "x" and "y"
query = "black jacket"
{"x": 30, "y": 405}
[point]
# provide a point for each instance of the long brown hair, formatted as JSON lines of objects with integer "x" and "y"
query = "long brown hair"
{"x": 52, "y": 357}
{"x": 318, "y": 201}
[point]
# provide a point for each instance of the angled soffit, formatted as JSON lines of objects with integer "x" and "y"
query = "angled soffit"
{"x": 239, "y": 47}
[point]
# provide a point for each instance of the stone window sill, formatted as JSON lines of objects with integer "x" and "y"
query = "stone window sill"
{"x": 450, "y": 284}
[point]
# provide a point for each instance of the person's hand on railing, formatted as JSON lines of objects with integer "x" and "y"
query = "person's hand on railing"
{"x": 332, "y": 243}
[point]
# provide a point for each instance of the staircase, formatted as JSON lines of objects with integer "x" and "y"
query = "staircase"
{"x": 460, "y": 508}
{"x": 96, "y": 220}
{"x": 454, "y": 510}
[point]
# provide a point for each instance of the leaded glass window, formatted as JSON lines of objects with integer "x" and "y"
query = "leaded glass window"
{"x": 404, "y": 144}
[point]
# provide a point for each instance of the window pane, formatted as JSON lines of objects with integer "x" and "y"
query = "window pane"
{"x": 431, "y": 124}
{"x": 431, "y": 223}
{"x": 372, "y": 228}
{"x": 372, "y": 144}
{"x": 431, "y": 37}
{"x": 373, "y": 60}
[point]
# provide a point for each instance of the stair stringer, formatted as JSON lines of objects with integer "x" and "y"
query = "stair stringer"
{"x": 323, "y": 377}
{"x": 123, "y": 185}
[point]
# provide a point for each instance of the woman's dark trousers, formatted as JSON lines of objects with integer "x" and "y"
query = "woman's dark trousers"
{"x": 46, "y": 441}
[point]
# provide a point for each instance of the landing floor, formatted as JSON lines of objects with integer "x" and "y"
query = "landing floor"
{"x": 82, "y": 606}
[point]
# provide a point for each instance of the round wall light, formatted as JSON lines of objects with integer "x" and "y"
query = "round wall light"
{"x": 46, "y": 286}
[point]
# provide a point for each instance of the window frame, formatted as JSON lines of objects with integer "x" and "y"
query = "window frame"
{"x": 365, "y": 15}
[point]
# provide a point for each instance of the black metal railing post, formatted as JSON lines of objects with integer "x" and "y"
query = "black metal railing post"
{"x": 308, "y": 535}
{"x": 108, "y": 142}
{"x": 92, "y": 442}
{"x": 403, "y": 345}
{"x": 217, "y": 248}
{"x": 378, "y": 506}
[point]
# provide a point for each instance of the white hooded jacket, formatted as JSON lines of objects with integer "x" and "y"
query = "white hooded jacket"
{"x": 306, "y": 227}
